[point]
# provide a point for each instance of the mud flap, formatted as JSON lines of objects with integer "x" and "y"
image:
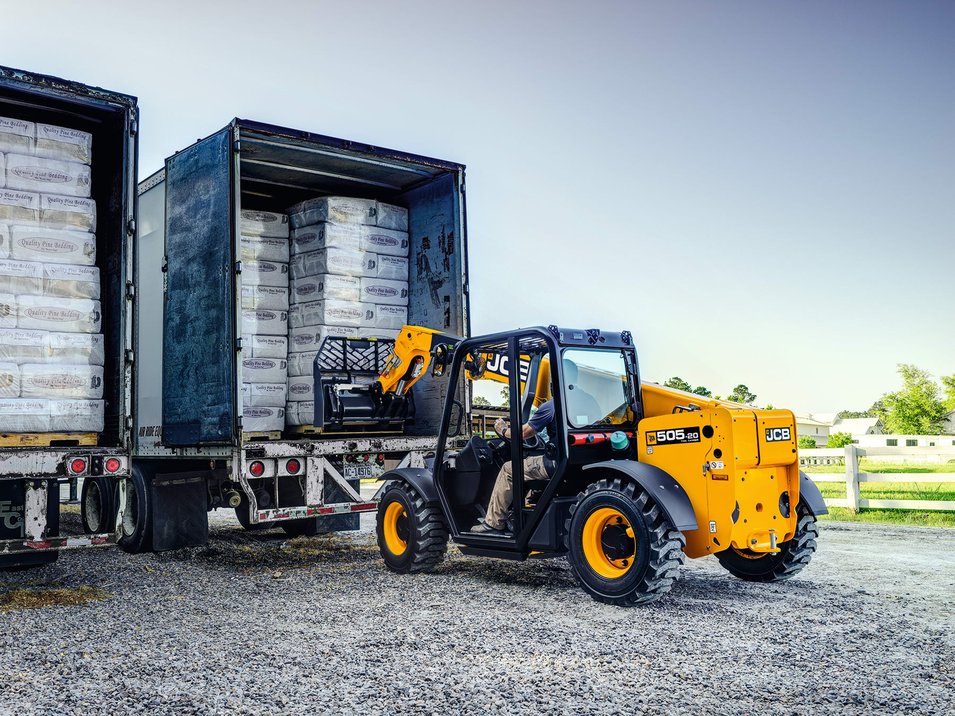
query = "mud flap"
{"x": 180, "y": 516}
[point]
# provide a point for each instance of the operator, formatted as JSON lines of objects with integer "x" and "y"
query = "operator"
{"x": 500, "y": 503}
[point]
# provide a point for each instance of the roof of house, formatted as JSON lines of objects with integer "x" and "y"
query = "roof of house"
{"x": 855, "y": 426}
{"x": 806, "y": 420}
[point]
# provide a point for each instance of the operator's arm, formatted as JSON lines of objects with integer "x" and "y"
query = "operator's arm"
{"x": 504, "y": 430}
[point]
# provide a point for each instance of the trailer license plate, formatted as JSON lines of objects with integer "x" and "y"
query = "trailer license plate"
{"x": 361, "y": 472}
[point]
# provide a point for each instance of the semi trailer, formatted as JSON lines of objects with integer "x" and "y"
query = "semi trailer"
{"x": 69, "y": 188}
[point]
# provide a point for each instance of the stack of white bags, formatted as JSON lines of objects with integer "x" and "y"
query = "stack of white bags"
{"x": 51, "y": 347}
{"x": 264, "y": 251}
{"x": 349, "y": 278}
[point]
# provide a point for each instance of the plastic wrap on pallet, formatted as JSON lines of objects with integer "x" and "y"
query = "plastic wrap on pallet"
{"x": 8, "y": 310}
{"x": 383, "y": 291}
{"x": 54, "y": 176}
{"x": 389, "y": 216}
{"x": 264, "y": 370}
{"x": 326, "y": 235}
{"x": 4, "y": 241}
{"x": 325, "y": 286}
{"x": 21, "y": 277}
{"x": 55, "y": 142}
{"x": 254, "y": 346}
{"x": 263, "y": 223}
{"x": 264, "y": 248}
{"x": 343, "y": 262}
{"x": 61, "y": 246}
{"x": 17, "y": 136}
{"x": 394, "y": 268}
{"x": 22, "y": 345}
{"x": 79, "y": 416}
{"x": 70, "y": 315}
{"x": 77, "y": 382}
{"x": 328, "y": 313}
{"x": 300, "y": 387}
{"x": 380, "y": 333}
{"x": 9, "y": 380}
{"x": 300, "y": 364}
{"x": 262, "y": 420}
{"x": 309, "y": 338}
{"x": 384, "y": 241}
{"x": 264, "y": 395}
{"x": 337, "y": 209}
{"x": 19, "y": 415}
{"x": 274, "y": 298}
{"x": 264, "y": 273}
{"x": 19, "y": 206}
{"x": 68, "y": 281}
{"x": 67, "y": 212}
{"x": 3, "y": 171}
{"x": 388, "y": 317}
{"x": 264, "y": 322}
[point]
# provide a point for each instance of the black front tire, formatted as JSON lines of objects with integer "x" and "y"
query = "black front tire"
{"x": 412, "y": 535}
{"x": 622, "y": 547}
{"x": 792, "y": 558}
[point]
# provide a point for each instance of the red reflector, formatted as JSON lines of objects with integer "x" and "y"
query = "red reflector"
{"x": 112, "y": 464}
{"x": 78, "y": 465}
{"x": 293, "y": 466}
{"x": 257, "y": 469}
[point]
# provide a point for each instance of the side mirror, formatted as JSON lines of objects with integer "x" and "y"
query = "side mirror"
{"x": 439, "y": 360}
{"x": 476, "y": 367}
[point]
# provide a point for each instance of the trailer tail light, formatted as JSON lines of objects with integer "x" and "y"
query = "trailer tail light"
{"x": 77, "y": 466}
{"x": 257, "y": 469}
{"x": 293, "y": 466}
{"x": 112, "y": 465}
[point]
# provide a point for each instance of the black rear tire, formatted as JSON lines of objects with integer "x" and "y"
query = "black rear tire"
{"x": 412, "y": 535}
{"x": 242, "y": 515}
{"x": 137, "y": 518}
{"x": 98, "y": 505}
{"x": 622, "y": 547}
{"x": 792, "y": 558}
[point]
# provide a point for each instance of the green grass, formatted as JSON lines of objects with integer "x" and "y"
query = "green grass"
{"x": 893, "y": 517}
{"x": 944, "y": 491}
{"x": 867, "y": 465}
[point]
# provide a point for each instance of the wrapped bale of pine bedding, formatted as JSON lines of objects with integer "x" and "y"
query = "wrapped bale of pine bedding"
{"x": 328, "y": 313}
{"x": 19, "y": 207}
{"x": 325, "y": 286}
{"x": 263, "y": 223}
{"x": 389, "y": 216}
{"x": 8, "y": 310}
{"x": 385, "y": 241}
{"x": 326, "y": 235}
{"x": 263, "y": 248}
{"x": 48, "y": 380}
{"x": 19, "y": 415}
{"x": 388, "y": 317}
{"x": 70, "y": 315}
{"x": 309, "y": 338}
{"x": 23, "y": 345}
{"x": 336, "y": 209}
{"x": 47, "y": 176}
{"x": 274, "y": 298}
{"x": 264, "y": 370}
{"x": 264, "y": 322}
{"x": 17, "y": 136}
{"x": 67, "y": 212}
{"x": 59, "y": 280}
{"x": 394, "y": 268}
{"x": 61, "y": 246}
{"x": 55, "y": 142}
{"x": 384, "y": 291}
{"x": 264, "y": 395}
{"x": 9, "y": 380}
{"x": 85, "y": 416}
{"x": 259, "y": 346}
{"x": 262, "y": 419}
{"x": 341, "y": 262}
{"x": 4, "y": 241}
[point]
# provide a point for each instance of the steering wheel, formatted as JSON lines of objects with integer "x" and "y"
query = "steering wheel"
{"x": 532, "y": 443}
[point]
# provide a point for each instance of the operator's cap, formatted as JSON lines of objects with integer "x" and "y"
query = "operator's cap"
{"x": 619, "y": 440}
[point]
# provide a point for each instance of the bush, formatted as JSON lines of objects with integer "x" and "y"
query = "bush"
{"x": 838, "y": 440}
{"x": 806, "y": 443}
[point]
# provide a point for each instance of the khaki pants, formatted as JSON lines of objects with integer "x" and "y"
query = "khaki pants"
{"x": 503, "y": 493}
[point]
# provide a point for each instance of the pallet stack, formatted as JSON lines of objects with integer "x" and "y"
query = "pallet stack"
{"x": 349, "y": 278}
{"x": 264, "y": 251}
{"x": 51, "y": 348}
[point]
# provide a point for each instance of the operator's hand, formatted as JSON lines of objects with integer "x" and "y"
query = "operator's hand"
{"x": 500, "y": 425}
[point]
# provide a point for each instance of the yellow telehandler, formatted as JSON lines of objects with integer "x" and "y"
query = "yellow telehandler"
{"x": 637, "y": 475}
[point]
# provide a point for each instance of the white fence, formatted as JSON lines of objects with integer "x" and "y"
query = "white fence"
{"x": 852, "y": 477}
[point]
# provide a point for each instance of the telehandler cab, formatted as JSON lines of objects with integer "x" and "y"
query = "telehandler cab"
{"x": 637, "y": 475}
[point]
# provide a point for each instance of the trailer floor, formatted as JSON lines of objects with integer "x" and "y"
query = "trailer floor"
{"x": 256, "y": 624}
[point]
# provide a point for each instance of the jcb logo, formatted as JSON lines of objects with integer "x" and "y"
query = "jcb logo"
{"x": 11, "y": 516}
{"x": 778, "y": 435}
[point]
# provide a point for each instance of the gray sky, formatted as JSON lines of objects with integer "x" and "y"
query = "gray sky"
{"x": 762, "y": 192}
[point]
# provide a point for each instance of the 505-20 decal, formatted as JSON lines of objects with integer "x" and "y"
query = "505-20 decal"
{"x": 674, "y": 436}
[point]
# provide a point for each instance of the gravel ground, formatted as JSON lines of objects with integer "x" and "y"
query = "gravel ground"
{"x": 257, "y": 624}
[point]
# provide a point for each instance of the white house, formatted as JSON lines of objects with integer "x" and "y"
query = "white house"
{"x": 856, "y": 426}
{"x": 810, "y": 427}
{"x": 948, "y": 424}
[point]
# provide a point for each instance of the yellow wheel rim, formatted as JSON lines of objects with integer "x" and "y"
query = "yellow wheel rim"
{"x": 395, "y": 535}
{"x": 609, "y": 544}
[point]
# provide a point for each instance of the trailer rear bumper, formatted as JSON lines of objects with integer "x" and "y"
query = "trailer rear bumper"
{"x": 54, "y": 544}
{"x": 295, "y": 513}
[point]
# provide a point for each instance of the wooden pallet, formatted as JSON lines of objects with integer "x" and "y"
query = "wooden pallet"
{"x": 312, "y": 431}
{"x": 262, "y": 436}
{"x": 48, "y": 439}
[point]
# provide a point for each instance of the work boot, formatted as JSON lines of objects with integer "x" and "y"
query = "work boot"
{"x": 483, "y": 528}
